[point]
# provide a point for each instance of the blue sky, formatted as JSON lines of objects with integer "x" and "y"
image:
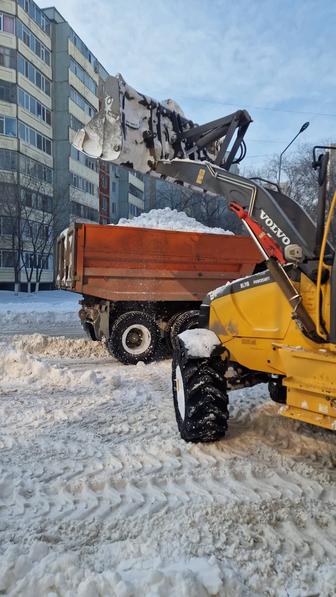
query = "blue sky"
{"x": 275, "y": 58}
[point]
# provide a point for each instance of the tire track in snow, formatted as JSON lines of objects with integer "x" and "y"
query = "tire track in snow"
{"x": 76, "y": 464}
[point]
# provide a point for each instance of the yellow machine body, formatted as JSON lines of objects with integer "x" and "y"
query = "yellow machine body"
{"x": 253, "y": 319}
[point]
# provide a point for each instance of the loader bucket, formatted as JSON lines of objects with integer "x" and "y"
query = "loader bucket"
{"x": 133, "y": 130}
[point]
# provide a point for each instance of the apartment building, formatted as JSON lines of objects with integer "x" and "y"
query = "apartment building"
{"x": 49, "y": 82}
{"x": 48, "y": 90}
{"x": 126, "y": 194}
{"x": 76, "y": 78}
{"x": 26, "y": 139}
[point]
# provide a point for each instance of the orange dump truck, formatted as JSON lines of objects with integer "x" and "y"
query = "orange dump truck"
{"x": 143, "y": 286}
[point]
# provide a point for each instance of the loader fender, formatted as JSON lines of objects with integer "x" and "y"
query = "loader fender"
{"x": 200, "y": 343}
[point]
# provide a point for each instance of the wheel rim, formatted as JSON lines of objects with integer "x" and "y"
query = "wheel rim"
{"x": 136, "y": 339}
{"x": 180, "y": 392}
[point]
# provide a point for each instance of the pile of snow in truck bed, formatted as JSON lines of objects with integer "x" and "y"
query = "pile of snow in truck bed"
{"x": 170, "y": 219}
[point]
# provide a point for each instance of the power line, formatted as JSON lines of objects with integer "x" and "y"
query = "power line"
{"x": 265, "y": 141}
{"x": 263, "y": 155}
{"x": 222, "y": 103}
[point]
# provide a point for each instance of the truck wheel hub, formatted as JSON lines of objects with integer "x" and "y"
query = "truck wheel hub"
{"x": 136, "y": 339}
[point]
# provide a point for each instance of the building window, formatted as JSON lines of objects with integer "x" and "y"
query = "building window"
{"x": 27, "y": 69}
{"x": 36, "y": 200}
{"x": 7, "y": 92}
{"x": 7, "y": 258}
{"x": 75, "y": 124}
{"x": 34, "y": 169}
{"x": 32, "y": 42}
{"x": 7, "y": 57}
{"x": 104, "y": 204}
{"x": 41, "y": 261}
{"x": 134, "y": 210}
{"x": 28, "y": 102}
{"x": 114, "y": 187}
{"x": 135, "y": 191}
{"x": 83, "y": 159}
{"x": 8, "y": 126}
{"x": 8, "y": 160}
{"x": 83, "y": 76}
{"x": 36, "y": 14}
{"x": 80, "y": 45}
{"x": 82, "y": 103}
{"x": 7, "y": 225}
{"x": 7, "y": 23}
{"x": 82, "y": 184}
{"x": 113, "y": 207}
{"x": 34, "y": 138}
{"x": 83, "y": 211}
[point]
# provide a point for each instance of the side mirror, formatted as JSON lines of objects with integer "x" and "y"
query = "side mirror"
{"x": 293, "y": 254}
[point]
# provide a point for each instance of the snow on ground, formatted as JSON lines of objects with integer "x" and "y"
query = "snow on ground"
{"x": 100, "y": 496}
{"x": 170, "y": 219}
{"x": 50, "y": 310}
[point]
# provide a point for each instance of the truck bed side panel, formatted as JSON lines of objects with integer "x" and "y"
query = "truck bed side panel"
{"x": 137, "y": 264}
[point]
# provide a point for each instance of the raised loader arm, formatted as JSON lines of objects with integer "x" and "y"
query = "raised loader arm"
{"x": 137, "y": 132}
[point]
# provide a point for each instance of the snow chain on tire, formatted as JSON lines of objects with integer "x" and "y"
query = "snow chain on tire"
{"x": 188, "y": 320}
{"x": 200, "y": 397}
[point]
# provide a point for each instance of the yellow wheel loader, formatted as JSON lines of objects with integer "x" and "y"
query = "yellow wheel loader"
{"x": 276, "y": 326}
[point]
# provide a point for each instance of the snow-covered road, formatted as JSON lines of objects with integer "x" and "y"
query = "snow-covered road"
{"x": 100, "y": 496}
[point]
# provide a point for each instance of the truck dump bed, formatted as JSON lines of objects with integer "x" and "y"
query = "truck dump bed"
{"x": 120, "y": 263}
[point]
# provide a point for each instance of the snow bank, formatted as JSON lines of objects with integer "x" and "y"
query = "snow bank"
{"x": 59, "y": 346}
{"x": 19, "y": 368}
{"x": 46, "y": 308}
{"x": 170, "y": 219}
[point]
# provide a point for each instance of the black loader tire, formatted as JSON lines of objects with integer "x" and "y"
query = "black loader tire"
{"x": 134, "y": 337}
{"x": 189, "y": 320}
{"x": 200, "y": 398}
{"x": 278, "y": 392}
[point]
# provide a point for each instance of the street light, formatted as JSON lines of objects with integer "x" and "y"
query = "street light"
{"x": 303, "y": 128}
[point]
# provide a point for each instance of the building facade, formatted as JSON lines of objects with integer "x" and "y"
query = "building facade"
{"x": 126, "y": 194}
{"x": 26, "y": 137}
{"x": 49, "y": 82}
{"x": 77, "y": 74}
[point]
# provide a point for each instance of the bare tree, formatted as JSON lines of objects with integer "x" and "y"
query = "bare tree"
{"x": 33, "y": 219}
{"x": 42, "y": 221}
{"x": 299, "y": 179}
{"x": 11, "y": 212}
{"x": 174, "y": 196}
{"x": 208, "y": 209}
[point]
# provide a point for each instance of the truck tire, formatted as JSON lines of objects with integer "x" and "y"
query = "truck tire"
{"x": 200, "y": 398}
{"x": 185, "y": 321}
{"x": 169, "y": 326}
{"x": 134, "y": 337}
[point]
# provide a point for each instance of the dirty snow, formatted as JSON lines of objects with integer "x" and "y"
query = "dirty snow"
{"x": 100, "y": 496}
{"x": 170, "y": 219}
